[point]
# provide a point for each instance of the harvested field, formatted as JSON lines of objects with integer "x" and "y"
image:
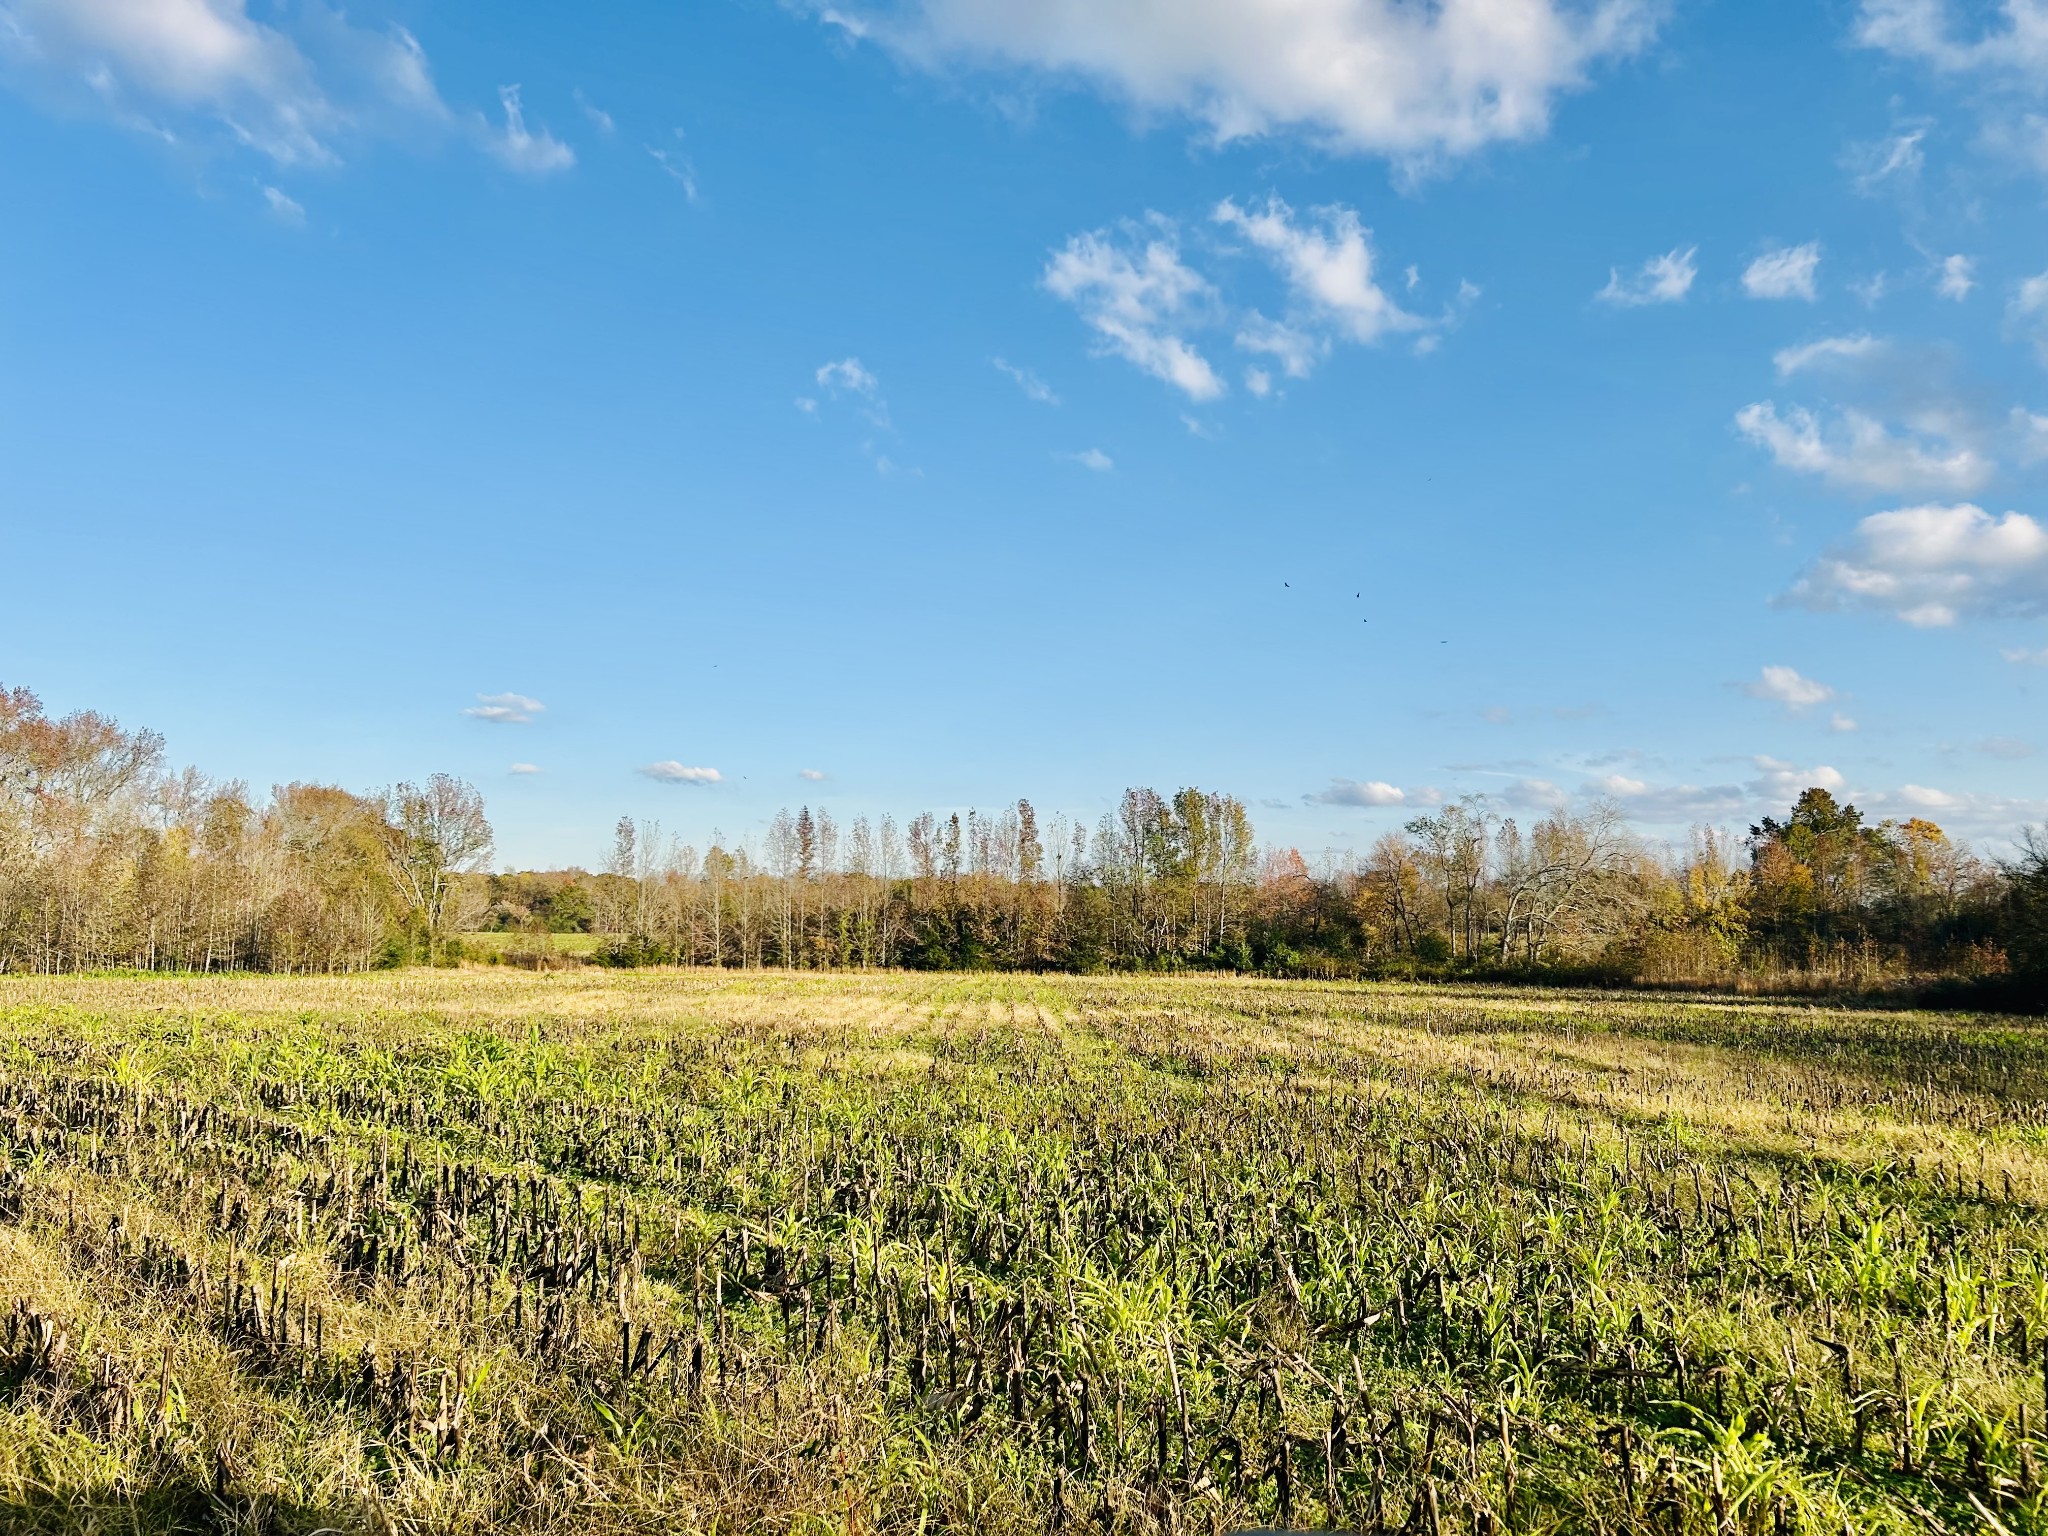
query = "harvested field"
{"x": 687, "y": 1252}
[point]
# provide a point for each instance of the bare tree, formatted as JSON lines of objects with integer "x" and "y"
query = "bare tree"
{"x": 435, "y": 833}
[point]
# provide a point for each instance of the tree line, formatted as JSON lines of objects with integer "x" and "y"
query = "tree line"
{"x": 1174, "y": 882}
{"x": 109, "y": 858}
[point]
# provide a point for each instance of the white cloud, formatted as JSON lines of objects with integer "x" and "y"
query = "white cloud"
{"x": 1932, "y": 566}
{"x": 814, "y": 775}
{"x": 677, "y": 168}
{"x": 283, "y": 207}
{"x": 1295, "y": 350}
{"x": 1372, "y": 76}
{"x": 1958, "y": 277}
{"x": 523, "y": 770}
{"x": 1779, "y": 780}
{"x": 1033, "y": 386}
{"x": 1787, "y": 273}
{"x": 2025, "y": 658}
{"x": 2030, "y": 433}
{"x": 1786, "y": 686}
{"x": 1535, "y": 794}
{"x": 673, "y": 772}
{"x": 529, "y": 153}
{"x": 1137, "y": 296}
{"x": 1326, "y": 260}
{"x": 1856, "y": 450}
{"x": 1370, "y": 792}
{"x": 1920, "y": 29}
{"x": 1665, "y": 279}
{"x": 1258, "y": 383}
{"x": 1090, "y": 458}
{"x": 2028, "y": 310}
{"x": 1896, "y": 158}
{"x": 1828, "y": 351}
{"x": 1841, "y": 722}
{"x": 505, "y": 708}
{"x": 848, "y": 377}
{"x": 214, "y": 67}
{"x": 597, "y": 115}
{"x": 1620, "y": 786}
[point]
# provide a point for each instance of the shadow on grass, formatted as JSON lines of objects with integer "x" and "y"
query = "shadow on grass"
{"x": 171, "y": 1509}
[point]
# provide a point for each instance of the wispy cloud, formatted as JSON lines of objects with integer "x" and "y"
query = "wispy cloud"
{"x": 676, "y": 166}
{"x": 1326, "y": 259}
{"x": 1852, "y": 449}
{"x": 813, "y": 775}
{"x": 1829, "y": 351}
{"x": 523, "y": 770}
{"x": 1133, "y": 291}
{"x": 1089, "y": 458}
{"x": 1787, "y": 273}
{"x": 291, "y": 87}
{"x": 673, "y": 772}
{"x": 1033, "y": 386}
{"x": 1665, "y": 279}
{"x": 505, "y": 708}
{"x": 1958, "y": 277}
{"x": 599, "y": 118}
{"x": 527, "y": 151}
{"x": 283, "y": 207}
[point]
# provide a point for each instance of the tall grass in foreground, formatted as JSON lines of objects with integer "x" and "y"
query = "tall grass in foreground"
{"x": 691, "y": 1252}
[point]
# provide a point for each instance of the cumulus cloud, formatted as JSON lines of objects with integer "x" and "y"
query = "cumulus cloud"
{"x": 1374, "y": 76}
{"x": 814, "y": 775}
{"x": 1779, "y": 780}
{"x": 1829, "y": 351}
{"x": 1786, "y": 686}
{"x": 1932, "y": 566}
{"x": 505, "y": 708}
{"x": 524, "y": 150}
{"x": 1665, "y": 279}
{"x": 1133, "y": 291}
{"x": 1090, "y": 458}
{"x": 1033, "y": 386}
{"x": 1958, "y": 277}
{"x": 523, "y": 770}
{"x": 1369, "y": 792}
{"x": 673, "y": 772}
{"x": 1855, "y": 450}
{"x": 1787, "y": 273}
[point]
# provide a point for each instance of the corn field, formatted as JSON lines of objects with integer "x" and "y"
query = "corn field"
{"x": 687, "y": 1252}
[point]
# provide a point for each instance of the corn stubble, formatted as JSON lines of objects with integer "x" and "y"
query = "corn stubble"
{"x": 694, "y": 1252}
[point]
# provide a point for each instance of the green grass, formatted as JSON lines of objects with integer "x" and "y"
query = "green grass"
{"x": 689, "y": 1252}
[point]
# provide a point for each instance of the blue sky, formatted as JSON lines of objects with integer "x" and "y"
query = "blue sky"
{"x": 1338, "y": 403}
